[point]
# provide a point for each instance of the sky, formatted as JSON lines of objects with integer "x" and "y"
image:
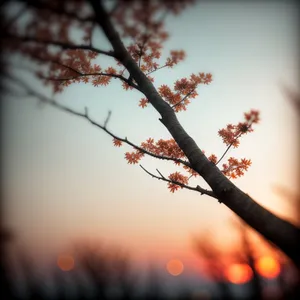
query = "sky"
{"x": 65, "y": 181}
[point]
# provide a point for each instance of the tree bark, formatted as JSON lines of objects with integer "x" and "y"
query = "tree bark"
{"x": 278, "y": 231}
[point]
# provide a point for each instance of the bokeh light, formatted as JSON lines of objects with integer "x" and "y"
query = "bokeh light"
{"x": 175, "y": 267}
{"x": 65, "y": 262}
{"x": 238, "y": 273}
{"x": 268, "y": 267}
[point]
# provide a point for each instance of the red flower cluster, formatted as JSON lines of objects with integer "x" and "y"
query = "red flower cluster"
{"x": 213, "y": 158}
{"x": 142, "y": 22}
{"x": 117, "y": 143}
{"x": 143, "y": 102}
{"x": 177, "y": 177}
{"x": 236, "y": 168}
{"x": 232, "y": 133}
{"x": 133, "y": 157}
{"x": 166, "y": 148}
{"x": 184, "y": 90}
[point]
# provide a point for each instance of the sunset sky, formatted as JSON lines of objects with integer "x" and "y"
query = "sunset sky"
{"x": 66, "y": 182}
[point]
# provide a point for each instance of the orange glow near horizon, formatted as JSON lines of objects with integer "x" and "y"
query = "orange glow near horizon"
{"x": 175, "y": 267}
{"x": 238, "y": 273}
{"x": 267, "y": 267}
{"x": 65, "y": 262}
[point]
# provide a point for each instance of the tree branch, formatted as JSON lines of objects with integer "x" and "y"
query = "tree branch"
{"x": 282, "y": 233}
{"x": 122, "y": 78}
{"x": 161, "y": 67}
{"x": 86, "y": 116}
{"x": 129, "y": 82}
{"x": 63, "y": 45}
{"x": 188, "y": 94}
{"x": 232, "y": 144}
{"x": 197, "y": 188}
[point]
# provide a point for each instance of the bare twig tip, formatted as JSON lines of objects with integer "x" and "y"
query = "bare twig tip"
{"x": 107, "y": 118}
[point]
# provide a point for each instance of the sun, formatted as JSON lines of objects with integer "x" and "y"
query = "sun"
{"x": 238, "y": 273}
{"x": 267, "y": 267}
{"x": 175, "y": 267}
{"x": 65, "y": 262}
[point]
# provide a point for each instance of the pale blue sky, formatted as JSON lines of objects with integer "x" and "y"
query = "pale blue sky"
{"x": 64, "y": 180}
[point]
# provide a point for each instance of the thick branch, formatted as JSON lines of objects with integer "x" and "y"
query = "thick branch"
{"x": 280, "y": 232}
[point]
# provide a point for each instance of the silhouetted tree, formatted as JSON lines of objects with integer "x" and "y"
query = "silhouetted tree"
{"x": 141, "y": 22}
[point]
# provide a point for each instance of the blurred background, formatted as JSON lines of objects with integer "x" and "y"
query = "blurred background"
{"x": 78, "y": 222}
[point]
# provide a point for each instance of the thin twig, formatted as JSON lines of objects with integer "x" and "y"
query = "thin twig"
{"x": 129, "y": 82}
{"x": 197, "y": 188}
{"x": 160, "y": 174}
{"x": 231, "y": 145}
{"x": 107, "y": 119}
{"x": 156, "y": 69}
{"x": 91, "y": 35}
{"x": 60, "y": 44}
{"x": 224, "y": 153}
{"x": 188, "y": 94}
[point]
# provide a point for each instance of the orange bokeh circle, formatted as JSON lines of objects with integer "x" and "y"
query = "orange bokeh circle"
{"x": 175, "y": 267}
{"x": 238, "y": 273}
{"x": 65, "y": 262}
{"x": 267, "y": 267}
